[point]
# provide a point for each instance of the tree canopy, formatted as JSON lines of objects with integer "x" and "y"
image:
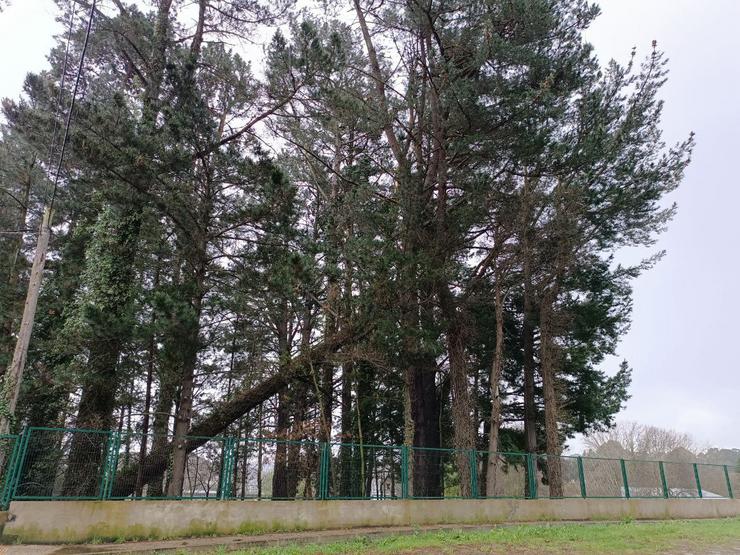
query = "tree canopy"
{"x": 397, "y": 225}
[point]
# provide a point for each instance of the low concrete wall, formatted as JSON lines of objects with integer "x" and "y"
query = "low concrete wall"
{"x": 78, "y": 521}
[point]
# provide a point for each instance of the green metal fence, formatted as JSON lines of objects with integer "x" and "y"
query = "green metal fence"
{"x": 9, "y": 454}
{"x": 61, "y": 463}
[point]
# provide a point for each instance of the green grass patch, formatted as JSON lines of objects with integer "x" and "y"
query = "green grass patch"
{"x": 626, "y": 537}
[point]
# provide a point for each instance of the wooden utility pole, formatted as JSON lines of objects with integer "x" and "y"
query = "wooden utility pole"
{"x": 11, "y": 386}
{"x": 14, "y": 375}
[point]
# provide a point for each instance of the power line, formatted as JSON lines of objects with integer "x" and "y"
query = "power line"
{"x": 72, "y": 106}
{"x": 62, "y": 80}
{"x": 14, "y": 375}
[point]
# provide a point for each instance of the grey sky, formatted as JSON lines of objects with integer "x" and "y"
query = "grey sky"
{"x": 686, "y": 310}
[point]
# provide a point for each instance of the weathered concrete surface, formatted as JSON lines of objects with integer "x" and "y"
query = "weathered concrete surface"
{"x": 80, "y": 521}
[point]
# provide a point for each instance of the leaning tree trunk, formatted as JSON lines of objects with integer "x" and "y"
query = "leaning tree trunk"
{"x": 237, "y": 406}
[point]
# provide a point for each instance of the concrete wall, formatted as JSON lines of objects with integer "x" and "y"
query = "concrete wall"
{"x": 78, "y": 521}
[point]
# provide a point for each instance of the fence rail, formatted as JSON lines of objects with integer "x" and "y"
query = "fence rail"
{"x": 66, "y": 463}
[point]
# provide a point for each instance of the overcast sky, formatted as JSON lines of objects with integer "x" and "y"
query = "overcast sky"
{"x": 685, "y": 336}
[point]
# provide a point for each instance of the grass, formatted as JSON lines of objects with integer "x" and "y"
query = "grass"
{"x": 626, "y": 537}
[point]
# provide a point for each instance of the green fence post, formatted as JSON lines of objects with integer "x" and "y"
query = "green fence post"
{"x": 404, "y": 472}
{"x": 663, "y": 482}
{"x": 473, "y": 457}
{"x": 110, "y": 462}
{"x": 227, "y": 468}
{"x": 320, "y": 492}
{"x": 324, "y": 472}
{"x": 581, "y": 477}
{"x": 624, "y": 478}
{"x": 19, "y": 463}
{"x": 727, "y": 479}
{"x": 12, "y": 468}
{"x": 114, "y": 465}
{"x": 532, "y": 475}
{"x": 104, "y": 473}
{"x": 698, "y": 481}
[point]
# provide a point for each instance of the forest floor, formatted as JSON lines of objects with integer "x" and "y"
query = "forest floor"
{"x": 662, "y": 537}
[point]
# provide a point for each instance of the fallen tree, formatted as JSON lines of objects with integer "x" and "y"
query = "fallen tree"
{"x": 243, "y": 401}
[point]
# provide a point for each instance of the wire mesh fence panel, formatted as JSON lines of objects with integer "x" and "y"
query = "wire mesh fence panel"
{"x": 502, "y": 474}
{"x": 712, "y": 480}
{"x": 140, "y": 481}
{"x": 643, "y": 478}
{"x": 62, "y": 464}
{"x": 7, "y": 445}
{"x": 734, "y": 477}
{"x": 441, "y": 473}
{"x": 603, "y": 477}
{"x": 553, "y": 470}
{"x": 54, "y": 463}
{"x": 680, "y": 479}
{"x": 275, "y": 469}
{"x": 364, "y": 471}
{"x": 203, "y": 470}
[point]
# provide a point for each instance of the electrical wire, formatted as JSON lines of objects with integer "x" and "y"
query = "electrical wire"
{"x": 62, "y": 80}
{"x": 72, "y": 106}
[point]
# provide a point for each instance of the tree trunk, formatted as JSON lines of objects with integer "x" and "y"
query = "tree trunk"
{"x": 346, "y": 476}
{"x": 549, "y": 393}
{"x": 280, "y": 468}
{"x": 241, "y": 403}
{"x": 260, "y": 449}
{"x": 528, "y": 323}
{"x": 190, "y": 347}
{"x": 160, "y": 430}
{"x": 464, "y": 433}
{"x": 427, "y": 476}
{"x": 496, "y": 370}
{"x": 147, "y": 404}
{"x": 294, "y": 448}
{"x": 528, "y": 365}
